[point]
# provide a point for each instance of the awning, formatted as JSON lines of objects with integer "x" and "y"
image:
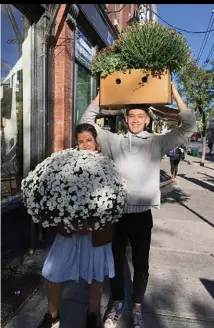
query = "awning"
{"x": 163, "y": 112}
{"x": 166, "y": 113}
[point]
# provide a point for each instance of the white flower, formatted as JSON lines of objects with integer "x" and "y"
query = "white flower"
{"x": 57, "y": 220}
{"x": 96, "y": 226}
{"x": 45, "y": 224}
{"x": 75, "y": 187}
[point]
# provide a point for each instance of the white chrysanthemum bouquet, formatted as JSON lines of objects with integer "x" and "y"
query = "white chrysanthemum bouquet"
{"x": 75, "y": 189}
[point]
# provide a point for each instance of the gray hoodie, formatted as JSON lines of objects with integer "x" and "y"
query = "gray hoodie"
{"x": 138, "y": 157}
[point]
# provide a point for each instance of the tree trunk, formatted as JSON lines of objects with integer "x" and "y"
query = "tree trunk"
{"x": 203, "y": 139}
{"x": 203, "y": 151}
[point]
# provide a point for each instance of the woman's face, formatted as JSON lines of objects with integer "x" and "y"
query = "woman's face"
{"x": 86, "y": 141}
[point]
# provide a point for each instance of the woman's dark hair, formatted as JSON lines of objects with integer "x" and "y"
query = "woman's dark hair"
{"x": 85, "y": 127}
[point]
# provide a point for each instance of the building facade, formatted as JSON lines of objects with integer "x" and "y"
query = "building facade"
{"x": 122, "y": 15}
{"x": 46, "y": 82}
{"x": 75, "y": 45}
{"x": 24, "y": 91}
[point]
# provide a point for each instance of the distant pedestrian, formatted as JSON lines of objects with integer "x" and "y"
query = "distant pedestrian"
{"x": 210, "y": 146}
{"x": 175, "y": 156}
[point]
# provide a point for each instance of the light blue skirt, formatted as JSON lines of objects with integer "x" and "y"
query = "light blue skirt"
{"x": 72, "y": 258}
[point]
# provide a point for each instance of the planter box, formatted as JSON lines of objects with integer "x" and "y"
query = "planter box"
{"x": 135, "y": 87}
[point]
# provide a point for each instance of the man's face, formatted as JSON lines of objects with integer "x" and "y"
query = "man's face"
{"x": 136, "y": 120}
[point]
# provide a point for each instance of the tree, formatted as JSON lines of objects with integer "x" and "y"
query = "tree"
{"x": 197, "y": 85}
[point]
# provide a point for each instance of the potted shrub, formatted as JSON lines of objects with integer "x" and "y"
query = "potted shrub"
{"x": 137, "y": 68}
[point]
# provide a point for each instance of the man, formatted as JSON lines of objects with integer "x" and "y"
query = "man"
{"x": 138, "y": 156}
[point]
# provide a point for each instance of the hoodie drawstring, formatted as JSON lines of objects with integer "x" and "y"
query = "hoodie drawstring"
{"x": 130, "y": 141}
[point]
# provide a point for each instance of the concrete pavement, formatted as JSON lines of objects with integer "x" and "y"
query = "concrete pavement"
{"x": 180, "y": 292}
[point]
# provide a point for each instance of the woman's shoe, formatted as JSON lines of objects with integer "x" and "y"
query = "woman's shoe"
{"x": 49, "y": 322}
{"x": 91, "y": 320}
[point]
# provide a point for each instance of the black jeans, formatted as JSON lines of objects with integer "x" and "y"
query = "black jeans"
{"x": 136, "y": 227}
{"x": 174, "y": 165}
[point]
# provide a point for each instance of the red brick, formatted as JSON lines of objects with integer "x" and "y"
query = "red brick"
{"x": 63, "y": 85}
{"x": 124, "y": 14}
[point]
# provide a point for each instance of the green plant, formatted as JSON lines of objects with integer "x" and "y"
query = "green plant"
{"x": 106, "y": 63}
{"x": 150, "y": 46}
{"x": 197, "y": 88}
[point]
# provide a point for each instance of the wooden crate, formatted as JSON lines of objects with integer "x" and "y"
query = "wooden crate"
{"x": 133, "y": 87}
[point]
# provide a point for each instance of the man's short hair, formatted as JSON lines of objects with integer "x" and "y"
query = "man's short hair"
{"x": 143, "y": 107}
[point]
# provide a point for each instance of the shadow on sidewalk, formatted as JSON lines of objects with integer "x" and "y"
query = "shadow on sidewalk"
{"x": 207, "y": 177}
{"x": 181, "y": 197}
{"x": 164, "y": 176}
{"x": 175, "y": 196}
{"x": 159, "y": 308}
{"x": 197, "y": 214}
{"x": 198, "y": 182}
{"x": 208, "y": 167}
{"x": 209, "y": 285}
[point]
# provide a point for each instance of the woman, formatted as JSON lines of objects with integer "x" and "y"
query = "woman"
{"x": 75, "y": 256}
{"x": 175, "y": 156}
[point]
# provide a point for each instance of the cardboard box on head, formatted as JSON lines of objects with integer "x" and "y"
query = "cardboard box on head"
{"x": 135, "y": 86}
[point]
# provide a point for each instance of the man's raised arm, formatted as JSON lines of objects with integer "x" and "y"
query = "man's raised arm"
{"x": 177, "y": 136}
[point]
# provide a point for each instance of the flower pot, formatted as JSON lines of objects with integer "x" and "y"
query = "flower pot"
{"x": 135, "y": 86}
{"x": 104, "y": 236}
{"x": 99, "y": 237}
{"x": 62, "y": 231}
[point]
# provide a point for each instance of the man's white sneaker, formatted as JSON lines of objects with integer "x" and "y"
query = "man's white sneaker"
{"x": 114, "y": 315}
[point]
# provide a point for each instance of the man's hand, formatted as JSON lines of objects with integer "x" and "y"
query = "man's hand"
{"x": 176, "y": 96}
{"x": 175, "y": 93}
{"x": 97, "y": 99}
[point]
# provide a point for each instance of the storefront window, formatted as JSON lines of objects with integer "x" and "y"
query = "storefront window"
{"x": 14, "y": 31}
{"x": 83, "y": 49}
{"x": 83, "y": 52}
{"x": 83, "y": 91}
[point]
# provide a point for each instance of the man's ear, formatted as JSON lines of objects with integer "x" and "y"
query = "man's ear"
{"x": 147, "y": 120}
{"x": 126, "y": 118}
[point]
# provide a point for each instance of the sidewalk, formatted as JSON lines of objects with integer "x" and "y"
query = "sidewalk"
{"x": 181, "y": 286}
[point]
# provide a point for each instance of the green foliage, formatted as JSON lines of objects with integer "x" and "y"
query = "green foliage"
{"x": 198, "y": 89}
{"x": 153, "y": 46}
{"x": 106, "y": 63}
{"x": 149, "y": 46}
{"x": 172, "y": 125}
{"x": 198, "y": 86}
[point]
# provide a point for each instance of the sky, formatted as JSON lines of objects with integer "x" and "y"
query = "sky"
{"x": 9, "y": 46}
{"x": 191, "y": 17}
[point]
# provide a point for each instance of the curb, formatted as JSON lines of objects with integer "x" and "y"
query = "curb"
{"x": 31, "y": 311}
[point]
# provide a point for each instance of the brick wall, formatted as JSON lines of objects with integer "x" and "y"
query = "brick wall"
{"x": 125, "y": 14}
{"x": 63, "y": 84}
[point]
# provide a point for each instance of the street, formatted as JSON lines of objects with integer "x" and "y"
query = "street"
{"x": 181, "y": 287}
{"x": 198, "y": 144}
